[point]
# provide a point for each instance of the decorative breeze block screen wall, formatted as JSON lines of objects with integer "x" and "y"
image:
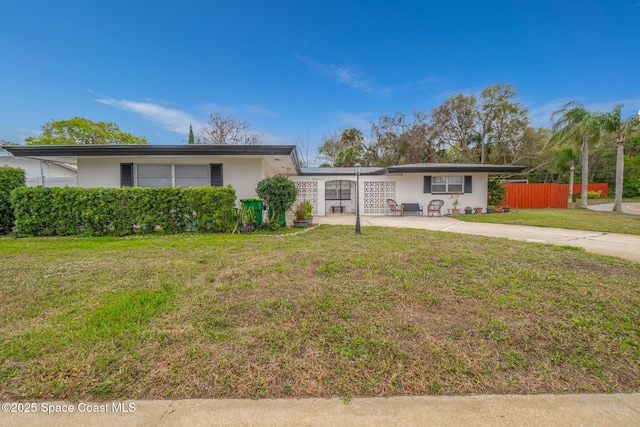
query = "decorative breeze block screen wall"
{"x": 376, "y": 194}
{"x": 307, "y": 190}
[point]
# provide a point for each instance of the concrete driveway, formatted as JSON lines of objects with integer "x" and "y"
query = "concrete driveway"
{"x": 620, "y": 245}
{"x": 627, "y": 207}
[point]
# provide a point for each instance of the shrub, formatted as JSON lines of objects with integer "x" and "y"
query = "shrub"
{"x": 43, "y": 211}
{"x": 631, "y": 183}
{"x": 496, "y": 192}
{"x": 594, "y": 194}
{"x": 279, "y": 192}
{"x": 10, "y": 179}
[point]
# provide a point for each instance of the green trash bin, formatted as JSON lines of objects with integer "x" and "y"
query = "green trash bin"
{"x": 257, "y": 205}
{"x": 283, "y": 217}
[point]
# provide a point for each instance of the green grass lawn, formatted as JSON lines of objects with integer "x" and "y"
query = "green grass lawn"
{"x": 576, "y": 219}
{"x": 324, "y": 313}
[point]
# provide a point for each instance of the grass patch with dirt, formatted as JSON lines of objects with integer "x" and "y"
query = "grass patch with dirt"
{"x": 575, "y": 219}
{"x": 324, "y": 313}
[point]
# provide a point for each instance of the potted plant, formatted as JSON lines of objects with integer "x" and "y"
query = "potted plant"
{"x": 478, "y": 210}
{"x": 505, "y": 208}
{"x": 468, "y": 210}
{"x": 308, "y": 211}
{"x": 455, "y": 203}
{"x": 300, "y": 213}
{"x": 247, "y": 219}
{"x": 491, "y": 209}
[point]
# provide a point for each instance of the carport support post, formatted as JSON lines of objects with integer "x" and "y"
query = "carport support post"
{"x": 357, "y": 168}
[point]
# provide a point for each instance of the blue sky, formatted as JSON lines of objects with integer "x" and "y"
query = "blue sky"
{"x": 298, "y": 70}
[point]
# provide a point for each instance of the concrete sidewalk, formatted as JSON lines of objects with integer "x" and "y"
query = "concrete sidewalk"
{"x": 543, "y": 410}
{"x": 625, "y": 246}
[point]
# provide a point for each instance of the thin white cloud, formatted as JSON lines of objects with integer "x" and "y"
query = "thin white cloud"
{"x": 541, "y": 115}
{"x": 355, "y": 120}
{"x": 170, "y": 119}
{"x": 22, "y": 134}
{"x": 260, "y": 111}
{"x": 628, "y": 104}
{"x": 345, "y": 74}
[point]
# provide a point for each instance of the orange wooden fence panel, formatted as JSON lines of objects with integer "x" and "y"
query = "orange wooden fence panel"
{"x": 577, "y": 188}
{"x": 537, "y": 195}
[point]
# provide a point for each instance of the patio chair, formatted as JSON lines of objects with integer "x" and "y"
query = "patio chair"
{"x": 394, "y": 207}
{"x": 434, "y": 207}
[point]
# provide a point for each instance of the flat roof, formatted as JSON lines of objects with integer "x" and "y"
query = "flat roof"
{"x": 454, "y": 167}
{"x": 341, "y": 171}
{"x": 72, "y": 152}
{"x": 144, "y": 149}
{"x": 415, "y": 168}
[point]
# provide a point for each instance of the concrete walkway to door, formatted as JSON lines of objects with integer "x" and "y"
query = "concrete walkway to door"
{"x": 625, "y": 246}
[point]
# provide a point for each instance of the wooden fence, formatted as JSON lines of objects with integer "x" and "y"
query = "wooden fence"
{"x": 577, "y": 188}
{"x": 544, "y": 195}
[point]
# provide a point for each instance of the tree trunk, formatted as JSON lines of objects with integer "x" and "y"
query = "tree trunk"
{"x": 571, "y": 183}
{"x": 584, "y": 163}
{"x": 617, "y": 205}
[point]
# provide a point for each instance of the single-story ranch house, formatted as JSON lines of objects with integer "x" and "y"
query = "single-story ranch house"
{"x": 243, "y": 166}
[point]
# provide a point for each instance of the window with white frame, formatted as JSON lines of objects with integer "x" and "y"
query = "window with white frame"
{"x": 155, "y": 176}
{"x": 171, "y": 175}
{"x": 192, "y": 175}
{"x": 446, "y": 184}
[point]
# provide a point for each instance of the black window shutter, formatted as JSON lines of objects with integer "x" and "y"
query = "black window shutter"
{"x": 216, "y": 175}
{"x": 126, "y": 174}
{"x": 427, "y": 184}
{"x": 468, "y": 184}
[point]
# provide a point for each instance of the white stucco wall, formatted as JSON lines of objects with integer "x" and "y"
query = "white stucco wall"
{"x": 241, "y": 173}
{"x": 39, "y": 171}
{"x": 408, "y": 189}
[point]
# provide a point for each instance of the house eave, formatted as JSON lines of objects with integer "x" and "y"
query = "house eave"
{"x": 75, "y": 151}
{"x": 341, "y": 171}
{"x": 142, "y": 150}
{"x": 459, "y": 168}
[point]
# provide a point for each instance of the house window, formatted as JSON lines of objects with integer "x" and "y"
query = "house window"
{"x": 171, "y": 175}
{"x": 447, "y": 184}
{"x": 192, "y": 175}
{"x": 154, "y": 176}
{"x": 337, "y": 190}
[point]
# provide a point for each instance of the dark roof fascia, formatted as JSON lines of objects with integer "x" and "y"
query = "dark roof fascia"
{"x": 155, "y": 150}
{"x": 333, "y": 172}
{"x": 456, "y": 168}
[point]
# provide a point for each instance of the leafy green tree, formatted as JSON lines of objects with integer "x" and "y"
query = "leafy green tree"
{"x": 344, "y": 150}
{"x": 489, "y": 128}
{"x": 191, "y": 138}
{"x": 573, "y": 122}
{"x": 81, "y": 131}
{"x": 279, "y": 192}
{"x": 454, "y": 126}
{"x": 631, "y": 176}
{"x": 398, "y": 140}
{"x": 611, "y": 122}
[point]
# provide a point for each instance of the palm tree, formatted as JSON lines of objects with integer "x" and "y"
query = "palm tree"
{"x": 611, "y": 122}
{"x": 575, "y": 122}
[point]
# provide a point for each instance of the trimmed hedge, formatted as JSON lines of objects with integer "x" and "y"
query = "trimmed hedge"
{"x": 41, "y": 211}
{"x": 10, "y": 178}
